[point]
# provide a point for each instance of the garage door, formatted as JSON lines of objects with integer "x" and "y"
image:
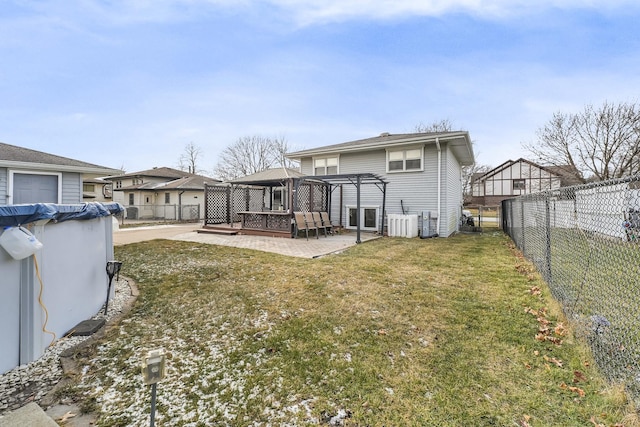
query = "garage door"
{"x": 33, "y": 188}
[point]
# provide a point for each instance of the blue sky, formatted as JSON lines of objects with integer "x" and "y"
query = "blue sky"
{"x": 129, "y": 83}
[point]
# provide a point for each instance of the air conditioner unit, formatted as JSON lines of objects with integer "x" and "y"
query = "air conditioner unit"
{"x": 429, "y": 224}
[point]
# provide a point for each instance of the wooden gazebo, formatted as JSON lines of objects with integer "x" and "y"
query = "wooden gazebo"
{"x": 263, "y": 203}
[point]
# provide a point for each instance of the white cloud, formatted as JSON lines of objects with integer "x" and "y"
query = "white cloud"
{"x": 302, "y": 12}
{"x": 308, "y": 12}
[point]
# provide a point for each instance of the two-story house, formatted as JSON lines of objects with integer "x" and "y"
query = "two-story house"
{"x": 515, "y": 178}
{"x": 422, "y": 171}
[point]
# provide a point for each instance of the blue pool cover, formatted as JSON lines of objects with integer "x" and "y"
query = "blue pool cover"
{"x": 14, "y": 215}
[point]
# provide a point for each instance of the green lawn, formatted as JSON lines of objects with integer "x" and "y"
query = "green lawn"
{"x": 393, "y": 332}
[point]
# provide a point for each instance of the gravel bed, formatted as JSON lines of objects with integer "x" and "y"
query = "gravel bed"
{"x": 32, "y": 382}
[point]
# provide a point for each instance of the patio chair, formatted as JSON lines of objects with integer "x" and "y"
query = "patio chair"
{"x": 318, "y": 222}
{"x": 311, "y": 224}
{"x": 301, "y": 224}
{"x": 326, "y": 221}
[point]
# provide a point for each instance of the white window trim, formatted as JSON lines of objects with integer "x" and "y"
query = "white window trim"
{"x": 362, "y": 208}
{"x": 30, "y": 172}
{"x": 313, "y": 163}
{"x": 404, "y": 161}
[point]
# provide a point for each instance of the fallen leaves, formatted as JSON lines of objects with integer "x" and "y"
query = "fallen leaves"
{"x": 559, "y": 330}
{"x": 579, "y": 377}
{"x": 546, "y": 333}
{"x": 527, "y": 270}
{"x": 553, "y": 360}
{"x": 577, "y": 390}
{"x": 66, "y": 417}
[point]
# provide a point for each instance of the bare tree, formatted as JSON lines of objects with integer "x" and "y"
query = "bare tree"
{"x": 251, "y": 154}
{"x": 443, "y": 125}
{"x": 189, "y": 158}
{"x": 468, "y": 172}
{"x": 281, "y": 146}
{"x": 594, "y": 144}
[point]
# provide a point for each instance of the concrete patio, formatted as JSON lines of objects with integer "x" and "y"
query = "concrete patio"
{"x": 300, "y": 247}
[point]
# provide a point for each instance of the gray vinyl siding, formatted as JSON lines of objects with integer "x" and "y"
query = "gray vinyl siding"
{"x": 3, "y": 186}
{"x": 306, "y": 166}
{"x": 452, "y": 200}
{"x": 71, "y": 188}
{"x": 415, "y": 191}
{"x": 370, "y": 195}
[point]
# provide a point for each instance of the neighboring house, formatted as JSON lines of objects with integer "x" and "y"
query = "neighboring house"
{"x": 423, "y": 172}
{"x": 515, "y": 178}
{"x": 30, "y": 176}
{"x": 96, "y": 189}
{"x": 161, "y": 193}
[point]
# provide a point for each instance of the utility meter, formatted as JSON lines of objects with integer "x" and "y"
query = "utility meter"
{"x": 153, "y": 366}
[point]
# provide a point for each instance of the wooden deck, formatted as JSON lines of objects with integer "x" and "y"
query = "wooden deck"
{"x": 236, "y": 228}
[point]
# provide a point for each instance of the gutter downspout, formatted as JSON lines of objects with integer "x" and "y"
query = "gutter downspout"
{"x": 439, "y": 184}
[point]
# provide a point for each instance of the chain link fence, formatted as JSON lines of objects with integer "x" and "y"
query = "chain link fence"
{"x": 585, "y": 241}
{"x": 161, "y": 213}
{"x": 483, "y": 216}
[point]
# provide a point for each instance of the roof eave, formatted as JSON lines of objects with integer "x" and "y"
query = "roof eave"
{"x": 379, "y": 144}
{"x": 57, "y": 168}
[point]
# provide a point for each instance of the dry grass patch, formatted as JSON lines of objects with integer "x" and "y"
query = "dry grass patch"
{"x": 391, "y": 332}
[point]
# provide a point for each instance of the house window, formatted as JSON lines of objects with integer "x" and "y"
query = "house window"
{"x": 167, "y": 198}
{"x": 368, "y": 218}
{"x": 325, "y": 166}
{"x": 519, "y": 184}
{"x": 131, "y": 199}
{"x": 118, "y": 184}
{"x": 404, "y": 160}
{"x": 89, "y": 188}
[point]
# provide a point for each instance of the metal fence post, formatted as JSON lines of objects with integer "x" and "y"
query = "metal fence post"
{"x": 548, "y": 240}
{"x": 522, "y": 237}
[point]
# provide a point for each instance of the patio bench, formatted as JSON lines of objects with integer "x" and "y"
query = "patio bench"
{"x": 318, "y": 222}
{"x": 301, "y": 223}
{"x": 326, "y": 221}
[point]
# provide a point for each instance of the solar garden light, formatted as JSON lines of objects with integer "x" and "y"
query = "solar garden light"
{"x": 153, "y": 370}
{"x": 113, "y": 268}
